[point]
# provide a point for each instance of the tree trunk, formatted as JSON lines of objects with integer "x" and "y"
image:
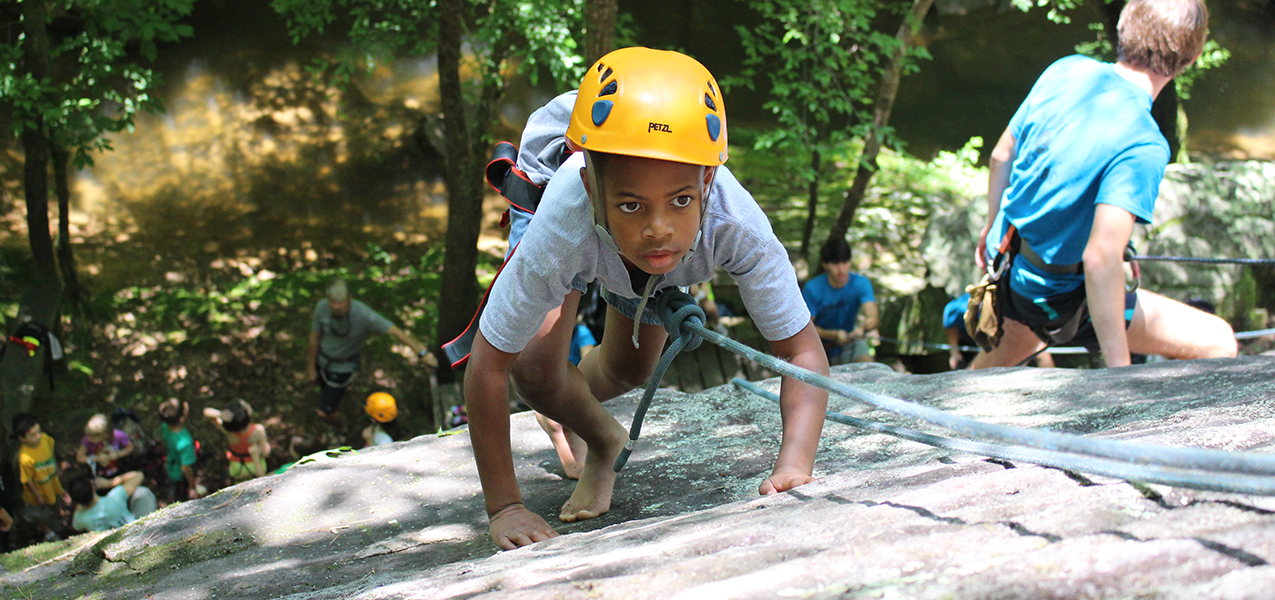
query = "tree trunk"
{"x": 464, "y": 193}
{"x": 599, "y": 28}
{"x": 882, "y": 106}
{"x": 66, "y": 257}
{"x": 812, "y": 205}
{"x": 35, "y": 143}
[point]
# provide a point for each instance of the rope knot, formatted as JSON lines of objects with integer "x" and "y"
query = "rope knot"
{"x": 677, "y": 308}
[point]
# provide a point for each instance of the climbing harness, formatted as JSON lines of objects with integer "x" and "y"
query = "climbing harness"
{"x": 1240, "y": 472}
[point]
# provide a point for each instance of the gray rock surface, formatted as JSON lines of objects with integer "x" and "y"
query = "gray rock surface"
{"x": 889, "y": 518}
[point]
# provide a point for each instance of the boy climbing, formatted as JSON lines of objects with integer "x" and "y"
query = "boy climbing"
{"x": 645, "y": 207}
{"x": 1078, "y": 166}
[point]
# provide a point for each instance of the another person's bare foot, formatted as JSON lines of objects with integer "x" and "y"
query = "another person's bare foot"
{"x": 566, "y": 443}
{"x": 592, "y": 496}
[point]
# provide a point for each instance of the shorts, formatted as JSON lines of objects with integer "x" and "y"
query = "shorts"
{"x": 625, "y": 306}
{"x": 849, "y": 353}
{"x": 241, "y": 471}
{"x": 1045, "y": 314}
{"x": 39, "y": 513}
{"x": 330, "y": 396}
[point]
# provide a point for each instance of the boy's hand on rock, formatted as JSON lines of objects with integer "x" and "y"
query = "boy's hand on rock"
{"x": 514, "y": 526}
{"x": 782, "y": 482}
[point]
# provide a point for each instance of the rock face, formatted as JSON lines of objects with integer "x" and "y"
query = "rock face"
{"x": 889, "y": 518}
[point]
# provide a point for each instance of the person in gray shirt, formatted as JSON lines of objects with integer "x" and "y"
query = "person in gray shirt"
{"x": 340, "y": 326}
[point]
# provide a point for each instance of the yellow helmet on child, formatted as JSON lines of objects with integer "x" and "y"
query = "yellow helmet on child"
{"x": 653, "y": 104}
{"x": 382, "y": 407}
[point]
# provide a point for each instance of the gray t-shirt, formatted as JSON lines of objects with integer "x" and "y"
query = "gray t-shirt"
{"x": 560, "y": 245}
{"x": 341, "y": 340}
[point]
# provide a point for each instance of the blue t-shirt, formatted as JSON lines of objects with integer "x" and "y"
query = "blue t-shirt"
{"x": 580, "y": 338}
{"x": 954, "y": 313}
{"x": 109, "y": 512}
{"x": 837, "y": 308}
{"x": 1084, "y": 136}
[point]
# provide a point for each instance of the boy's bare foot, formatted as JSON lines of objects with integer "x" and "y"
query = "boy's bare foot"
{"x": 514, "y": 526}
{"x": 566, "y": 443}
{"x": 782, "y": 481}
{"x": 592, "y": 496}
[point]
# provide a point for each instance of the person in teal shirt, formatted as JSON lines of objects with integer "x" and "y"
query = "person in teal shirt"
{"x": 127, "y": 501}
{"x": 183, "y": 484}
{"x": 1079, "y": 165}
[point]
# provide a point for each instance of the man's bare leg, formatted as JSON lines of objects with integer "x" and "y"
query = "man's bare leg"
{"x": 1175, "y": 330}
{"x": 1017, "y": 343}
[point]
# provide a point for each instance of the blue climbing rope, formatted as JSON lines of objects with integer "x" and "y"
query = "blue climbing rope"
{"x": 1207, "y": 261}
{"x": 685, "y": 321}
{"x": 1221, "y": 482}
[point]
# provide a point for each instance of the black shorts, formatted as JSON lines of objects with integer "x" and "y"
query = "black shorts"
{"x": 1045, "y": 314}
{"x": 330, "y": 396}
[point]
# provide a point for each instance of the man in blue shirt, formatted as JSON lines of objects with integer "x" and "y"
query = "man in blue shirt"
{"x": 835, "y": 300}
{"x": 1078, "y": 166}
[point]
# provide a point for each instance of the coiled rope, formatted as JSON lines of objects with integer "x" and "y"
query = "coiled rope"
{"x": 684, "y": 321}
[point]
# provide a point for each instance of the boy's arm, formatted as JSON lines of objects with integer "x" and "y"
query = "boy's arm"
{"x": 131, "y": 481}
{"x": 871, "y": 317}
{"x": 126, "y": 450}
{"x": 487, "y": 404}
{"x": 82, "y": 455}
{"x": 213, "y": 415}
{"x": 1104, "y": 280}
{"x": 802, "y": 407}
{"x": 36, "y": 492}
{"x": 998, "y": 168}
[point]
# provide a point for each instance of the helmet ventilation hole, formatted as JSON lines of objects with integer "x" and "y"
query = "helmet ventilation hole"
{"x": 609, "y": 89}
{"x": 708, "y": 101}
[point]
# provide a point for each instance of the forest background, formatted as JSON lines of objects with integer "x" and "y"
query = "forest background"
{"x": 212, "y": 164}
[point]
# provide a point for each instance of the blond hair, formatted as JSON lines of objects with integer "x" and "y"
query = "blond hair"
{"x": 1162, "y": 36}
{"x": 97, "y": 427}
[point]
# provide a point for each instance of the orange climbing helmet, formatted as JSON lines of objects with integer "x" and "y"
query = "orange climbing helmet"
{"x": 653, "y": 104}
{"x": 382, "y": 407}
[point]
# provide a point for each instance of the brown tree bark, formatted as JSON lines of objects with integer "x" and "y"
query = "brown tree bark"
{"x": 66, "y": 256}
{"x": 35, "y": 143}
{"x": 599, "y": 28}
{"x": 463, "y": 175}
{"x": 812, "y": 208}
{"x": 882, "y": 106}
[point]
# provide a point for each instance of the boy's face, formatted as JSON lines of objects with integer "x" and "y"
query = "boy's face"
{"x": 653, "y": 209}
{"x": 838, "y": 273}
{"x": 32, "y": 436}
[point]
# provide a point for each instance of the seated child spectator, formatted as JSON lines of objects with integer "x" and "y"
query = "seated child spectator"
{"x": 183, "y": 484}
{"x": 103, "y": 447}
{"x": 384, "y": 411}
{"x": 249, "y": 446}
{"x": 41, "y": 488}
{"x": 127, "y": 501}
